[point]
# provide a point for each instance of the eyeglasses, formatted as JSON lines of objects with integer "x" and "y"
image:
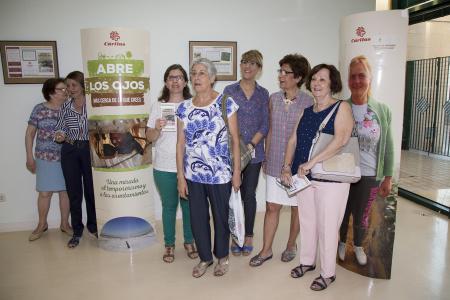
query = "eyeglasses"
{"x": 61, "y": 89}
{"x": 284, "y": 72}
{"x": 175, "y": 78}
{"x": 250, "y": 63}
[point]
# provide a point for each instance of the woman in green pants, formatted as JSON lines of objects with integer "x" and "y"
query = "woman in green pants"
{"x": 162, "y": 132}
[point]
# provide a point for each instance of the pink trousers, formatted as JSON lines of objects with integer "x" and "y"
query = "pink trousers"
{"x": 321, "y": 210}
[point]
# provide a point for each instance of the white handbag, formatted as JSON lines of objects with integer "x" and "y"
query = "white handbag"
{"x": 236, "y": 219}
{"x": 344, "y": 165}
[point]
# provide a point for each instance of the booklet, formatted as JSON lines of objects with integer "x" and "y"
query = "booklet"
{"x": 298, "y": 184}
{"x": 168, "y": 113}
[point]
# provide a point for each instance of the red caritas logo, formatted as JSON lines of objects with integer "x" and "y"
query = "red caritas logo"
{"x": 360, "y": 32}
{"x": 115, "y": 37}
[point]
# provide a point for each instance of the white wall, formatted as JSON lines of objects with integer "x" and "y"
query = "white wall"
{"x": 274, "y": 27}
{"x": 429, "y": 39}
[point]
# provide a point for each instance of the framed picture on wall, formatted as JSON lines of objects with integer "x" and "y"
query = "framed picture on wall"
{"x": 28, "y": 61}
{"x": 222, "y": 54}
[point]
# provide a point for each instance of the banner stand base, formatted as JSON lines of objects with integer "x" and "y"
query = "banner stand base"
{"x": 127, "y": 244}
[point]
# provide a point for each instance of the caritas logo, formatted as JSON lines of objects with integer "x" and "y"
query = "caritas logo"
{"x": 115, "y": 37}
{"x": 360, "y": 32}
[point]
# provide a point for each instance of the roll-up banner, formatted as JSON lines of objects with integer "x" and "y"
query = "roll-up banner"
{"x": 378, "y": 40}
{"x": 116, "y": 68}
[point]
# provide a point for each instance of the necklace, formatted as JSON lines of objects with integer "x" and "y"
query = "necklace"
{"x": 287, "y": 100}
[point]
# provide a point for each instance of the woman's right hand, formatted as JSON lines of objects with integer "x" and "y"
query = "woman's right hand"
{"x": 31, "y": 165}
{"x": 60, "y": 136}
{"x": 286, "y": 177}
{"x": 160, "y": 123}
{"x": 182, "y": 188}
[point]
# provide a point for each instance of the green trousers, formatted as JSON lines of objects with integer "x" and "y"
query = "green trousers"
{"x": 166, "y": 182}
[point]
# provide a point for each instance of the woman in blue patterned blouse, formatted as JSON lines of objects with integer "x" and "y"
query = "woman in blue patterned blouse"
{"x": 204, "y": 168}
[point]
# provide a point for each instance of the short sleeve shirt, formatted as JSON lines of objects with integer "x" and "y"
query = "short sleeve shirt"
{"x": 207, "y": 155}
{"x": 45, "y": 119}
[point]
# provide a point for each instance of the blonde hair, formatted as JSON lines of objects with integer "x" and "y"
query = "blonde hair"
{"x": 253, "y": 56}
{"x": 361, "y": 59}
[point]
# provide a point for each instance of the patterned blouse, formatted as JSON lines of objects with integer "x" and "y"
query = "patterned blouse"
{"x": 282, "y": 124}
{"x": 45, "y": 119}
{"x": 207, "y": 155}
{"x": 72, "y": 123}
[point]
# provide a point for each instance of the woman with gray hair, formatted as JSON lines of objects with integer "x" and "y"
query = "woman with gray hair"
{"x": 205, "y": 171}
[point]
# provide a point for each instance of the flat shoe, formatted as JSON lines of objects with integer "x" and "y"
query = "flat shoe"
{"x": 73, "y": 242}
{"x": 222, "y": 267}
{"x": 258, "y": 260}
{"x": 68, "y": 231}
{"x": 235, "y": 250}
{"x": 288, "y": 255}
{"x": 37, "y": 235}
{"x": 201, "y": 268}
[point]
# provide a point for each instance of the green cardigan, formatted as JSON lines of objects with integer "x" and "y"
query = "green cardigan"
{"x": 385, "y": 164}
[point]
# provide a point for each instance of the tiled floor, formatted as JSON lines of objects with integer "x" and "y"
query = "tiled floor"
{"x": 426, "y": 176}
{"x": 47, "y": 269}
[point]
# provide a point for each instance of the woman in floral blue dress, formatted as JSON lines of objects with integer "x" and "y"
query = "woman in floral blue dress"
{"x": 204, "y": 170}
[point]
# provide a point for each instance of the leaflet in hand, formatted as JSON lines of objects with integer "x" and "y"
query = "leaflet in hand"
{"x": 298, "y": 184}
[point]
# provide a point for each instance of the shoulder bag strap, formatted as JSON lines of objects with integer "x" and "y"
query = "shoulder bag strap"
{"x": 224, "y": 108}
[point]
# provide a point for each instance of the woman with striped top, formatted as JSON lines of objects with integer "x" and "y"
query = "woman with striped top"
{"x": 72, "y": 131}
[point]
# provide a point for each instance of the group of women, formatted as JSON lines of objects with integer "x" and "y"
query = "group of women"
{"x": 61, "y": 158}
{"x": 198, "y": 166}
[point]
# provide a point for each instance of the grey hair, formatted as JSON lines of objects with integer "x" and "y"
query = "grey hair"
{"x": 210, "y": 67}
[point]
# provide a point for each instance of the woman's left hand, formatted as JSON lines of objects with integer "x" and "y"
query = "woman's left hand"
{"x": 236, "y": 181}
{"x": 303, "y": 169}
{"x": 385, "y": 187}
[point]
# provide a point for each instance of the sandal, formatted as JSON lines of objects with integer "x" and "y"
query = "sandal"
{"x": 222, "y": 267}
{"x": 200, "y": 268}
{"x": 235, "y": 249}
{"x": 169, "y": 254}
{"x": 247, "y": 249}
{"x": 67, "y": 230}
{"x": 73, "y": 242}
{"x": 300, "y": 270}
{"x": 320, "y": 283}
{"x": 258, "y": 260}
{"x": 191, "y": 251}
{"x": 288, "y": 255}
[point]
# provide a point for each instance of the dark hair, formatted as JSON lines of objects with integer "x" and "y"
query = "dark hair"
{"x": 299, "y": 65}
{"x": 165, "y": 93}
{"x": 49, "y": 87}
{"x": 77, "y": 76}
{"x": 335, "y": 77}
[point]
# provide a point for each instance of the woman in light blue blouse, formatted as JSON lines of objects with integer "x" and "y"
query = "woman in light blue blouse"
{"x": 205, "y": 172}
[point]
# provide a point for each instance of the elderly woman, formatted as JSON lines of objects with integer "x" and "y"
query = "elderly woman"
{"x": 72, "y": 131}
{"x": 46, "y": 161}
{"x": 205, "y": 171}
{"x": 322, "y": 205}
{"x": 285, "y": 107}
{"x": 164, "y": 165}
{"x": 373, "y": 122}
{"x": 253, "y": 119}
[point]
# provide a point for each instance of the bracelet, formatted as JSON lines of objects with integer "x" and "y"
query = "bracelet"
{"x": 286, "y": 167}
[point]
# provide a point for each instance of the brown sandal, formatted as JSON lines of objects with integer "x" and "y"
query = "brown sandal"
{"x": 191, "y": 251}
{"x": 169, "y": 254}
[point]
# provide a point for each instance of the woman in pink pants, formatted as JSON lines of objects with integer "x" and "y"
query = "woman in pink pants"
{"x": 322, "y": 205}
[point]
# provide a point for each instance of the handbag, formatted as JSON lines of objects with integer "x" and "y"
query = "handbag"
{"x": 245, "y": 152}
{"x": 236, "y": 218}
{"x": 344, "y": 165}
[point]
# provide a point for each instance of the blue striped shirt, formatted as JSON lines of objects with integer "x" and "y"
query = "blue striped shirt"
{"x": 72, "y": 123}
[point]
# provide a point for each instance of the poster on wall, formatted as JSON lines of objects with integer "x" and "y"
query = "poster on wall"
{"x": 372, "y": 62}
{"x": 116, "y": 66}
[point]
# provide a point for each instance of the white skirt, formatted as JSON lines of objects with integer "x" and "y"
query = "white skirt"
{"x": 276, "y": 194}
